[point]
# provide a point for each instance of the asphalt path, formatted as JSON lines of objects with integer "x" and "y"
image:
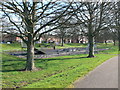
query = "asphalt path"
{"x": 53, "y": 53}
{"x": 104, "y": 76}
{"x": 73, "y": 50}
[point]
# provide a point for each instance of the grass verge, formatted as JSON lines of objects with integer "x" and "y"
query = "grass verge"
{"x": 10, "y": 47}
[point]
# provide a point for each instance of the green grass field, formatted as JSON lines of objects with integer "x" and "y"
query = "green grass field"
{"x": 71, "y": 45}
{"x": 57, "y": 72}
{"x": 112, "y": 49}
{"x": 10, "y": 47}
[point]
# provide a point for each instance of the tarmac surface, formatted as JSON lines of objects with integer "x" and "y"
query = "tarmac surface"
{"x": 53, "y": 53}
{"x": 104, "y": 76}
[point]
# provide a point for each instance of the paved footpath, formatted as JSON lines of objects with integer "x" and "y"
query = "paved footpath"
{"x": 104, "y": 76}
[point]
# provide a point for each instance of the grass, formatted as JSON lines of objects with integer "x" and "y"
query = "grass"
{"x": 57, "y": 72}
{"x": 10, "y": 47}
{"x": 17, "y": 46}
{"x": 112, "y": 49}
{"x": 67, "y": 45}
{"x": 71, "y": 70}
{"x": 71, "y": 45}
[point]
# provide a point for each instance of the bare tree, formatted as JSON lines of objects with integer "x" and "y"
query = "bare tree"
{"x": 115, "y": 26}
{"x": 118, "y": 22}
{"x": 92, "y": 16}
{"x": 29, "y": 19}
{"x": 61, "y": 31}
{"x": 74, "y": 34}
{"x": 104, "y": 35}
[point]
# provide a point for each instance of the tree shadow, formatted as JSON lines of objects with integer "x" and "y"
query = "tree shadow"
{"x": 52, "y": 59}
{"x": 21, "y": 64}
{"x": 12, "y": 70}
{"x": 13, "y": 66}
{"x": 12, "y": 60}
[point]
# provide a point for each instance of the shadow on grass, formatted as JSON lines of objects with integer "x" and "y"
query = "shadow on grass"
{"x": 12, "y": 70}
{"x": 12, "y": 60}
{"x": 14, "y": 65}
{"x": 51, "y": 59}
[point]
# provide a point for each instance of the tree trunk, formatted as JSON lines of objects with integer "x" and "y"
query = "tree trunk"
{"x": 119, "y": 40}
{"x": 91, "y": 46}
{"x": 119, "y": 44}
{"x": 118, "y": 24}
{"x": 106, "y": 42}
{"x": 114, "y": 42}
{"x": 30, "y": 56}
{"x": 62, "y": 41}
{"x": 90, "y": 38}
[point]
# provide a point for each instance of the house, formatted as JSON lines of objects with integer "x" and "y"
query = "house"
{"x": 9, "y": 38}
{"x": 45, "y": 38}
